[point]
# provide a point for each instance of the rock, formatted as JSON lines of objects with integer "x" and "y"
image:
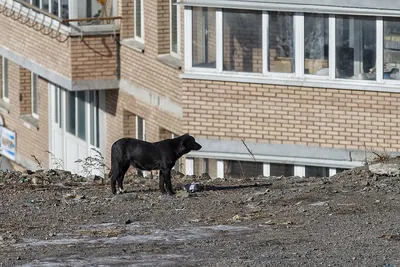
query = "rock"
{"x": 236, "y": 217}
{"x": 389, "y": 169}
{"x": 205, "y": 176}
{"x": 128, "y": 221}
{"x": 320, "y": 203}
{"x": 177, "y": 175}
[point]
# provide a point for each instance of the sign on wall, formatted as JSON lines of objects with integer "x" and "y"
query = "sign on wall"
{"x": 7, "y": 143}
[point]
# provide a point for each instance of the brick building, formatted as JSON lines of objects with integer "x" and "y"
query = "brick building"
{"x": 288, "y": 88}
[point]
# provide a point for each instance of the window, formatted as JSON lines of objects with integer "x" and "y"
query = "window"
{"x": 244, "y": 169}
{"x": 391, "y": 48}
{"x": 71, "y": 112}
{"x": 281, "y": 42}
{"x": 242, "y": 41}
{"x": 316, "y": 44}
{"x": 94, "y": 118}
{"x": 355, "y": 47}
{"x": 59, "y": 8}
{"x": 4, "y": 75}
{"x": 278, "y": 169}
{"x": 313, "y": 171}
{"x": 140, "y": 128}
{"x": 174, "y": 19}
{"x": 138, "y": 20}
{"x": 204, "y": 37}
{"x": 34, "y": 95}
{"x": 81, "y": 114}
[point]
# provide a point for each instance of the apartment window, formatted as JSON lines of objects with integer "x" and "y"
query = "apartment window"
{"x": 174, "y": 19}
{"x": 59, "y": 8}
{"x": 278, "y": 169}
{"x": 355, "y": 47}
{"x": 71, "y": 112}
{"x": 34, "y": 95}
{"x": 4, "y": 75}
{"x": 140, "y": 128}
{"x": 281, "y": 42}
{"x": 204, "y": 37}
{"x": 316, "y": 44}
{"x": 81, "y": 115}
{"x": 76, "y": 114}
{"x": 242, "y": 41}
{"x": 391, "y": 48}
{"x": 94, "y": 118}
{"x": 138, "y": 20}
{"x": 244, "y": 169}
{"x": 36, "y": 3}
{"x": 314, "y": 171}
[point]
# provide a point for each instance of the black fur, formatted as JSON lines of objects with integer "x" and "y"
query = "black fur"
{"x": 148, "y": 156}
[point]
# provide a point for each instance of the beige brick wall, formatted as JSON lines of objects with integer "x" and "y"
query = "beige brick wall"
{"x": 125, "y": 10}
{"x": 292, "y": 115}
{"x": 25, "y": 87}
{"x": 94, "y": 57}
{"x": 163, "y": 26}
{"x": 35, "y": 46}
{"x": 29, "y": 141}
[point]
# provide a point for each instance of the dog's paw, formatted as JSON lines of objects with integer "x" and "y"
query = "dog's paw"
{"x": 121, "y": 191}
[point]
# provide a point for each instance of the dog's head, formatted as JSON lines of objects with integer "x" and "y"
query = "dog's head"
{"x": 189, "y": 143}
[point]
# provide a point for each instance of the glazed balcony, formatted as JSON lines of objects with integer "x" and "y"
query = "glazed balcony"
{"x": 71, "y": 43}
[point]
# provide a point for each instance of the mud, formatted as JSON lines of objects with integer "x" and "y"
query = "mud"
{"x": 350, "y": 219}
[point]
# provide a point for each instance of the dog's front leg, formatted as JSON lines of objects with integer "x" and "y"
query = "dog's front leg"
{"x": 168, "y": 183}
{"x": 161, "y": 182}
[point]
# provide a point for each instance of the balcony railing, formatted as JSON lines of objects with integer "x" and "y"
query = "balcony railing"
{"x": 63, "y": 16}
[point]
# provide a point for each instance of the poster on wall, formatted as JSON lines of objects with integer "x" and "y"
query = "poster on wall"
{"x": 7, "y": 143}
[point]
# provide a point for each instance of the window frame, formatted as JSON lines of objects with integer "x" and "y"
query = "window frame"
{"x": 5, "y": 93}
{"x": 138, "y": 38}
{"x": 34, "y": 95}
{"x": 298, "y": 78}
{"x": 178, "y": 29}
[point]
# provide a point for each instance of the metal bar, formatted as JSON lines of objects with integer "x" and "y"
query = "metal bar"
{"x": 90, "y": 19}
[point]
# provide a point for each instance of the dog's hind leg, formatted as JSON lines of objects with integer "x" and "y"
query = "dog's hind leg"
{"x": 120, "y": 177}
{"x": 161, "y": 182}
{"x": 167, "y": 181}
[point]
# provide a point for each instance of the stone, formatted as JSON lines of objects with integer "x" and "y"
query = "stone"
{"x": 389, "y": 169}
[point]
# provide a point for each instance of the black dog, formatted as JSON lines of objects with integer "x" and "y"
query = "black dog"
{"x": 148, "y": 156}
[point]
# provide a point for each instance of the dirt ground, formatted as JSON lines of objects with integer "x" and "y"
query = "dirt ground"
{"x": 351, "y": 219}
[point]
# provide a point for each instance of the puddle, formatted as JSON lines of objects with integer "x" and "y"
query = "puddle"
{"x": 142, "y": 260}
{"x": 133, "y": 233}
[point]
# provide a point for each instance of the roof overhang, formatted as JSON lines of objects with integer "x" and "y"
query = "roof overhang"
{"x": 347, "y": 7}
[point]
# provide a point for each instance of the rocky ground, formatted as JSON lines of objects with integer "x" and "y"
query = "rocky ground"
{"x": 52, "y": 218}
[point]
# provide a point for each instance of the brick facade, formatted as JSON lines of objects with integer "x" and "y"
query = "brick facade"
{"x": 344, "y": 119}
{"x": 25, "y": 95}
{"x": 30, "y": 139}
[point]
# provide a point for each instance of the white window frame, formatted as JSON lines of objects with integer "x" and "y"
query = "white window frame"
{"x": 138, "y": 38}
{"x": 4, "y": 76}
{"x": 298, "y": 78}
{"x": 178, "y": 35}
{"x": 137, "y": 127}
{"x": 34, "y": 96}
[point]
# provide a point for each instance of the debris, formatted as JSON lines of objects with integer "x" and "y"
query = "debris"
{"x": 395, "y": 237}
{"x": 320, "y": 203}
{"x": 193, "y": 187}
{"x": 128, "y": 221}
{"x": 205, "y": 176}
{"x": 278, "y": 222}
{"x": 236, "y": 217}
